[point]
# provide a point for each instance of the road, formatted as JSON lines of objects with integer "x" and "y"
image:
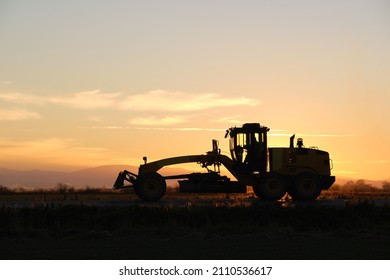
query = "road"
{"x": 333, "y": 203}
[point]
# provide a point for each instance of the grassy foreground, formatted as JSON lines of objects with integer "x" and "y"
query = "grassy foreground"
{"x": 82, "y": 232}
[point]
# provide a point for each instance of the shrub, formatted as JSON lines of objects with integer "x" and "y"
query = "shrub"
{"x": 64, "y": 188}
{"x": 89, "y": 189}
{"x": 357, "y": 186}
{"x": 5, "y": 190}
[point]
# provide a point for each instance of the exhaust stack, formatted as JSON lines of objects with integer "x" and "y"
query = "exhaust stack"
{"x": 292, "y": 142}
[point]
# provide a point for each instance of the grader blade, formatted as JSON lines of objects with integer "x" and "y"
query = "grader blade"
{"x": 125, "y": 176}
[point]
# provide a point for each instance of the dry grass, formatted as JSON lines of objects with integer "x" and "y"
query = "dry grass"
{"x": 269, "y": 232}
{"x": 129, "y": 195}
{"x": 352, "y": 190}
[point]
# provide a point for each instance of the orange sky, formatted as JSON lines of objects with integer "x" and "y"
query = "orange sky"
{"x": 88, "y": 84}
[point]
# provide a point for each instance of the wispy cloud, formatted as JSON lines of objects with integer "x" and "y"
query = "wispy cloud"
{"x": 6, "y": 83}
{"x": 90, "y": 148}
{"x": 151, "y": 121}
{"x": 104, "y": 127}
{"x": 160, "y": 100}
{"x": 52, "y": 153}
{"x": 97, "y": 119}
{"x": 344, "y": 172}
{"x": 377, "y": 161}
{"x": 380, "y": 161}
{"x": 42, "y": 147}
{"x": 155, "y": 127}
{"x": 17, "y": 97}
{"x": 282, "y": 134}
{"x": 325, "y": 135}
{"x": 17, "y": 114}
{"x": 236, "y": 119}
{"x": 181, "y": 128}
{"x": 156, "y": 100}
{"x": 85, "y": 100}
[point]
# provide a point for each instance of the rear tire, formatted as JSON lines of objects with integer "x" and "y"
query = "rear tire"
{"x": 306, "y": 187}
{"x": 150, "y": 186}
{"x": 272, "y": 187}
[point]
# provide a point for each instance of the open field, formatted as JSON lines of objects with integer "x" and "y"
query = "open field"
{"x": 173, "y": 198}
{"x": 358, "y": 231}
{"x": 67, "y": 224}
{"x": 172, "y": 193}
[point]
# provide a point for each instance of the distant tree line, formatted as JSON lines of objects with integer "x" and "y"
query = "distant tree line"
{"x": 350, "y": 186}
{"x": 360, "y": 186}
{"x": 59, "y": 188}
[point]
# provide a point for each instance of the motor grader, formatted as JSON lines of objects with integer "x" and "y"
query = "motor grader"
{"x": 297, "y": 171}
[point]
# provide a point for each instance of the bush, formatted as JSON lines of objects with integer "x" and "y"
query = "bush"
{"x": 89, "y": 189}
{"x": 5, "y": 190}
{"x": 357, "y": 186}
{"x": 64, "y": 188}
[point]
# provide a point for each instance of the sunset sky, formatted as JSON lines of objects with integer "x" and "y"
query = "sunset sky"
{"x": 89, "y": 83}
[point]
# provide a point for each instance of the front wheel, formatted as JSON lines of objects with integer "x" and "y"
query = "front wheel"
{"x": 306, "y": 187}
{"x": 150, "y": 186}
{"x": 272, "y": 187}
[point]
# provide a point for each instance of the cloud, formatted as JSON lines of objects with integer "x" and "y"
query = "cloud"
{"x": 181, "y": 128}
{"x": 17, "y": 97}
{"x": 325, "y": 135}
{"x": 160, "y": 100}
{"x": 378, "y": 161}
{"x": 85, "y": 100}
{"x": 236, "y": 119}
{"x": 52, "y": 153}
{"x": 17, "y": 115}
{"x": 104, "y": 127}
{"x": 344, "y": 172}
{"x": 41, "y": 147}
{"x": 272, "y": 133}
{"x": 97, "y": 119}
{"x": 381, "y": 161}
{"x": 90, "y": 148}
{"x": 157, "y": 100}
{"x": 150, "y": 121}
{"x": 155, "y": 127}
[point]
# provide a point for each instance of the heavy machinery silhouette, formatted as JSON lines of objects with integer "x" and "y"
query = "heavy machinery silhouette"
{"x": 272, "y": 172}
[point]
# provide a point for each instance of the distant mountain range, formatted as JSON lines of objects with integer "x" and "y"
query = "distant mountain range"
{"x": 98, "y": 177}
